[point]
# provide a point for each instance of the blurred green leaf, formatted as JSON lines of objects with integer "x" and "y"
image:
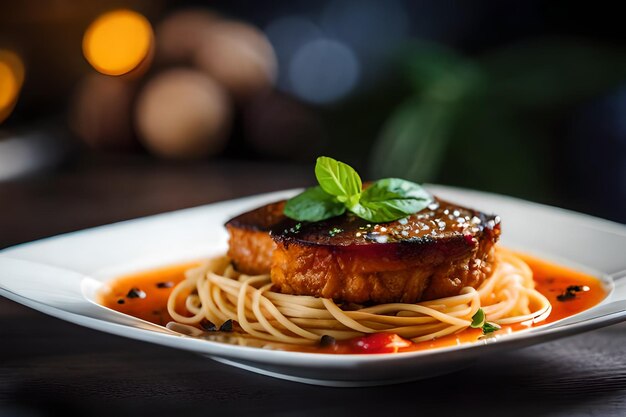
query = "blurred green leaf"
{"x": 426, "y": 63}
{"x": 413, "y": 140}
{"x": 552, "y": 72}
{"x": 474, "y": 115}
{"x": 439, "y": 72}
{"x": 494, "y": 148}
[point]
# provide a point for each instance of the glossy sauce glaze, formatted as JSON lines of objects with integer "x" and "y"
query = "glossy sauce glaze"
{"x": 439, "y": 220}
{"x": 144, "y": 295}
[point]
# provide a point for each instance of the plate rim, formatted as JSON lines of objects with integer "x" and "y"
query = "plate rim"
{"x": 599, "y": 223}
{"x": 605, "y": 225}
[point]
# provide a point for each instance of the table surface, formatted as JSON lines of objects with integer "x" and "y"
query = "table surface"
{"x": 50, "y": 367}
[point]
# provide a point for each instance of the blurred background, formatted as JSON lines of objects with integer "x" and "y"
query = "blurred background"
{"x": 114, "y": 109}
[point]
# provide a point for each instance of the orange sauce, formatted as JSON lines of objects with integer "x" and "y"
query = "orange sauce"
{"x": 551, "y": 280}
{"x": 151, "y": 290}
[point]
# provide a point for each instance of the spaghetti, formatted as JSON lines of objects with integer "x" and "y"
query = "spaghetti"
{"x": 216, "y": 292}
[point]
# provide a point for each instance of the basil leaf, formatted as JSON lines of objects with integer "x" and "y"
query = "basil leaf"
{"x": 478, "y": 320}
{"x": 395, "y": 188}
{"x": 391, "y": 199}
{"x": 490, "y": 327}
{"x": 340, "y": 188}
{"x": 382, "y": 212}
{"x": 313, "y": 205}
{"x": 337, "y": 178}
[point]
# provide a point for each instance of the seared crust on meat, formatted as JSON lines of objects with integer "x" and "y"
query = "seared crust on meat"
{"x": 250, "y": 246}
{"x": 428, "y": 255}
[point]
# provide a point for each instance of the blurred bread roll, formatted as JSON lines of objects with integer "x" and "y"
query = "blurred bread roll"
{"x": 182, "y": 114}
{"x": 100, "y": 112}
{"x": 239, "y": 57}
{"x": 178, "y": 36}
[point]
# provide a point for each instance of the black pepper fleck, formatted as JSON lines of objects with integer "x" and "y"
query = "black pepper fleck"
{"x": 166, "y": 284}
{"x": 135, "y": 293}
{"x": 227, "y": 326}
{"x": 207, "y": 325}
{"x": 121, "y": 301}
{"x": 327, "y": 340}
{"x": 566, "y": 296}
{"x": 570, "y": 292}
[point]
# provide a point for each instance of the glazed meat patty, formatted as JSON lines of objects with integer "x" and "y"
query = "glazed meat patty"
{"x": 250, "y": 246}
{"x": 428, "y": 255}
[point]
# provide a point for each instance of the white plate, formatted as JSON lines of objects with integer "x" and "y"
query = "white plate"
{"x": 60, "y": 276}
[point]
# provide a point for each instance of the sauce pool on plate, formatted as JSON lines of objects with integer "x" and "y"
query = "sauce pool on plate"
{"x": 144, "y": 295}
{"x": 551, "y": 280}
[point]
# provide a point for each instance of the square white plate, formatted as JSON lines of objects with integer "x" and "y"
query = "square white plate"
{"x": 61, "y": 275}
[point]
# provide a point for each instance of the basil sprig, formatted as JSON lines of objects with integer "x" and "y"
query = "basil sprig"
{"x": 479, "y": 321}
{"x": 340, "y": 188}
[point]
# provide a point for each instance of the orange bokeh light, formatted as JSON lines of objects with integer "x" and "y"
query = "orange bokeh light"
{"x": 11, "y": 79}
{"x": 117, "y": 42}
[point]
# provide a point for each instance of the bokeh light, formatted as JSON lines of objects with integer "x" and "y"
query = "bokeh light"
{"x": 11, "y": 79}
{"x": 183, "y": 114}
{"x": 118, "y": 42}
{"x": 323, "y": 71}
{"x": 180, "y": 35}
{"x": 287, "y": 34}
{"x": 101, "y": 112}
{"x": 371, "y": 27}
{"x": 238, "y": 56}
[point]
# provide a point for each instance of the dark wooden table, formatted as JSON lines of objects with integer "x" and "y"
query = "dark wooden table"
{"x": 49, "y": 367}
